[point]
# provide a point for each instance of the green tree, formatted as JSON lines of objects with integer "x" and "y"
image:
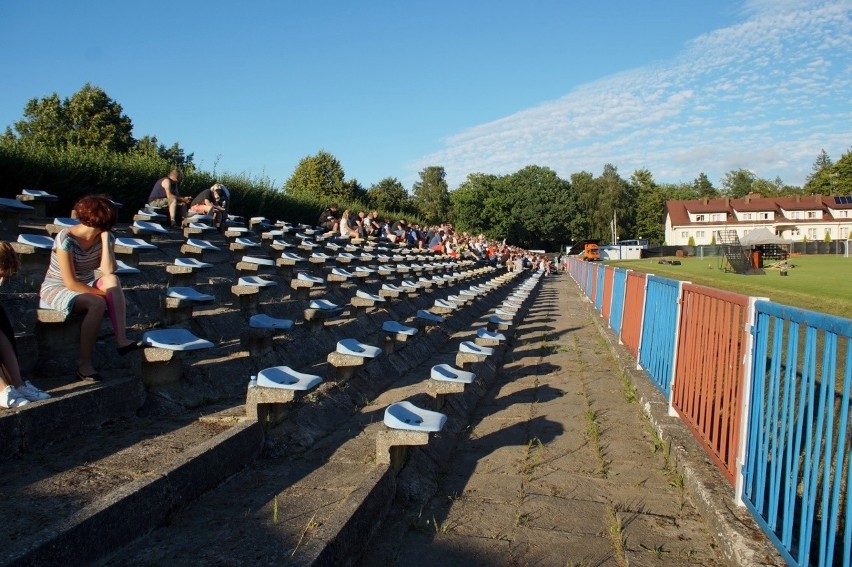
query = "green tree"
{"x": 88, "y": 119}
{"x": 819, "y": 182}
{"x": 175, "y": 155}
{"x": 431, "y": 195}
{"x": 841, "y": 175}
{"x": 354, "y": 191}
{"x": 388, "y": 195}
{"x": 468, "y": 209}
{"x": 704, "y": 188}
{"x": 318, "y": 177}
{"x": 650, "y": 204}
{"x": 544, "y": 205}
{"x": 586, "y": 194}
{"x": 738, "y": 183}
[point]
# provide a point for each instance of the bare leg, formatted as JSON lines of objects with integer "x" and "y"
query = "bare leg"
{"x": 173, "y": 212}
{"x": 116, "y": 306}
{"x": 9, "y": 365}
{"x": 93, "y": 306}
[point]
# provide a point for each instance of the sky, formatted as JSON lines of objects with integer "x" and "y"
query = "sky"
{"x": 391, "y": 87}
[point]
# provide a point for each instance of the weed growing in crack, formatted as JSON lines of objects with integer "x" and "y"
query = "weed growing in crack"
{"x": 616, "y": 534}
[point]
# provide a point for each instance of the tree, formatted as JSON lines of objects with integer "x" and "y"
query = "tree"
{"x": 820, "y": 181}
{"x": 175, "y": 155}
{"x": 841, "y": 175}
{"x": 650, "y": 204}
{"x": 468, "y": 204}
{"x": 354, "y": 191}
{"x": 431, "y": 196}
{"x": 318, "y": 177}
{"x": 704, "y": 188}
{"x": 388, "y": 195}
{"x": 738, "y": 183}
{"x": 89, "y": 119}
{"x": 544, "y": 205}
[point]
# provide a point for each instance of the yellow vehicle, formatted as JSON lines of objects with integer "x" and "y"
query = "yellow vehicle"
{"x": 590, "y": 253}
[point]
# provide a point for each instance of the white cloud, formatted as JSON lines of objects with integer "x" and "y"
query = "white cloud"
{"x": 768, "y": 94}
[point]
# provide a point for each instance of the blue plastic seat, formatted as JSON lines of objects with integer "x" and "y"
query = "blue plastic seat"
{"x": 256, "y": 281}
{"x": 473, "y": 348}
{"x": 134, "y": 243}
{"x": 486, "y": 334}
{"x": 447, "y": 373}
{"x": 367, "y": 295}
{"x": 174, "y": 339}
{"x": 398, "y": 328}
{"x": 324, "y": 305}
{"x": 146, "y": 226}
{"x": 286, "y": 378}
{"x": 355, "y": 348}
{"x": 192, "y": 263}
{"x": 258, "y": 261}
{"x": 203, "y": 244}
{"x": 428, "y": 316}
{"x": 188, "y": 294}
{"x": 36, "y": 240}
{"x": 263, "y": 321}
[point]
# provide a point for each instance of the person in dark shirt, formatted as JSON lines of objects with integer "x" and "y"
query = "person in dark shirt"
{"x": 329, "y": 220}
{"x": 211, "y": 202}
{"x": 166, "y": 193}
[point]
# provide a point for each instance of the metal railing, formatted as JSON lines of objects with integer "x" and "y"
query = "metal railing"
{"x": 619, "y": 281}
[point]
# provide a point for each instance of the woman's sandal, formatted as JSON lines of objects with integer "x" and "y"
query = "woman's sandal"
{"x": 93, "y": 377}
{"x": 130, "y": 347}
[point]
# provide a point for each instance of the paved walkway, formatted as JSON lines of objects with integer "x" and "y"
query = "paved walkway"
{"x": 559, "y": 466}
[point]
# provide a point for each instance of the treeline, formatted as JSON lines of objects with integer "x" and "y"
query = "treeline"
{"x": 84, "y": 144}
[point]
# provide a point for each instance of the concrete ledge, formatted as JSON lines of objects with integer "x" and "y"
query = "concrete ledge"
{"x": 266, "y": 405}
{"x": 343, "y": 366}
{"x": 123, "y": 515}
{"x": 392, "y": 446}
{"x": 248, "y": 297}
{"x": 257, "y": 342}
{"x": 43, "y": 423}
{"x": 161, "y": 366}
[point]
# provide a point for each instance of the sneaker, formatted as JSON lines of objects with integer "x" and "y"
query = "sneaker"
{"x": 32, "y": 393}
{"x": 11, "y": 398}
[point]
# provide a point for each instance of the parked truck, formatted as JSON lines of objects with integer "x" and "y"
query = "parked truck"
{"x": 590, "y": 253}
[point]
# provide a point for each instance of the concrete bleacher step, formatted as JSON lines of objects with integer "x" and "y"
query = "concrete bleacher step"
{"x": 106, "y": 488}
{"x": 319, "y": 504}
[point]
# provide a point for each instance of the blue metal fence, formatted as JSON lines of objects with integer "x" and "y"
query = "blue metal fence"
{"x": 599, "y": 298}
{"x": 657, "y": 347}
{"x": 796, "y": 472}
{"x": 619, "y": 284}
{"x": 590, "y": 277}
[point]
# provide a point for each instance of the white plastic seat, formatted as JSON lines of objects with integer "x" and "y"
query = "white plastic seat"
{"x": 364, "y": 270}
{"x": 40, "y": 193}
{"x": 356, "y": 348}
{"x": 332, "y": 246}
{"x": 443, "y": 303}
{"x": 256, "y": 281}
{"x": 497, "y": 320}
{"x": 324, "y": 305}
{"x": 397, "y": 258}
{"x": 199, "y": 218}
{"x": 246, "y": 242}
{"x": 407, "y": 416}
{"x": 135, "y": 243}
{"x": 391, "y": 287}
{"x": 309, "y": 278}
{"x": 68, "y": 222}
{"x": 258, "y": 261}
{"x": 366, "y": 257}
{"x": 346, "y": 256}
{"x": 14, "y": 205}
{"x": 286, "y": 378}
{"x": 36, "y": 240}
{"x": 258, "y": 219}
{"x": 473, "y": 348}
{"x": 291, "y": 256}
{"x": 398, "y": 328}
{"x": 503, "y": 313}
{"x": 272, "y": 233}
{"x": 174, "y": 339}
{"x": 309, "y": 244}
{"x": 410, "y": 284}
{"x": 189, "y": 294}
{"x": 203, "y": 244}
{"x": 350, "y": 248}
{"x": 200, "y": 226}
{"x": 486, "y": 334}
{"x": 455, "y": 299}
{"x": 239, "y": 229}
{"x": 447, "y": 373}
{"x": 192, "y": 263}
{"x": 383, "y": 258}
{"x": 263, "y": 321}
{"x": 423, "y": 314}
{"x": 121, "y": 268}
{"x": 372, "y": 296}
{"x": 150, "y": 215}
{"x": 281, "y": 243}
{"x": 320, "y": 256}
{"x": 147, "y": 226}
{"x": 342, "y": 273}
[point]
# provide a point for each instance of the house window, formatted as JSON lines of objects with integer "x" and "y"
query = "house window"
{"x": 844, "y": 232}
{"x": 747, "y": 216}
{"x": 812, "y": 234}
{"x": 699, "y": 218}
{"x": 794, "y": 232}
{"x": 716, "y": 217}
{"x": 699, "y": 234}
{"x": 797, "y": 214}
{"x": 684, "y": 234}
{"x": 764, "y": 216}
{"x": 812, "y": 214}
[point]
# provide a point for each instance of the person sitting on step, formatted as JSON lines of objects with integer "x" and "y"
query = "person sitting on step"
{"x": 70, "y": 283}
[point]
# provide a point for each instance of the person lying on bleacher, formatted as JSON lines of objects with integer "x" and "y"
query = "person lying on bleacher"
{"x": 70, "y": 283}
{"x": 14, "y": 390}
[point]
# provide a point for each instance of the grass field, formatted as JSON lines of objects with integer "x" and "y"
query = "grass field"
{"x": 816, "y": 282}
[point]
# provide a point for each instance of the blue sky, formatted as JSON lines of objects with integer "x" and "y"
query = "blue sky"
{"x": 475, "y": 86}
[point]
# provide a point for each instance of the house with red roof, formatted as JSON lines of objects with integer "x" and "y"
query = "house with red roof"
{"x": 792, "y": 218}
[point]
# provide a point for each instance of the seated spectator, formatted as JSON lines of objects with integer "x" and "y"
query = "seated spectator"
{"x": 167, "y": 194}
{"x": 328, "y": 219}
{"x": 14, "y": 390}
{"x": 437, "y": 242}
{"x": 347, "y": 230}
{"x": 211, "y": 202}
{"x": 70, "y": 283}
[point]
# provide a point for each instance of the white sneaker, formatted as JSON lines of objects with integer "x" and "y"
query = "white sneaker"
{"x": 11, "y": 398}
{"x": 32, "y": 393}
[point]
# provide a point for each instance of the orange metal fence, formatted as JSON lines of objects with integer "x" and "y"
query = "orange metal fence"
{"x": 634, "y": 301}
{"x": 709, "y": 370}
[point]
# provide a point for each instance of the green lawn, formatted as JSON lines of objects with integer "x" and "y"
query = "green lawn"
{"x": 817, "y": 282}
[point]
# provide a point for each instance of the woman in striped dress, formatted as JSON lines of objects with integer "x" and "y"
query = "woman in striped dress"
{"x": 70, "y": 283}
